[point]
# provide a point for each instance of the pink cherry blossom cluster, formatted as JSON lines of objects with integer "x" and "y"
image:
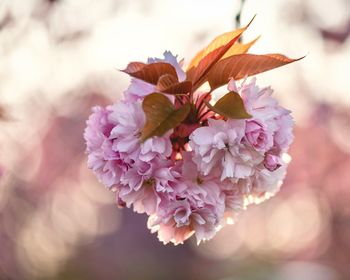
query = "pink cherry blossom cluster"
{"x": 225, "y": 166}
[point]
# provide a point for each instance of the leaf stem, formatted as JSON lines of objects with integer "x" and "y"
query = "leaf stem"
{"x": 203, "y": 114}
{"x": 202, "y": 101}
{"x": 179, "y": 99}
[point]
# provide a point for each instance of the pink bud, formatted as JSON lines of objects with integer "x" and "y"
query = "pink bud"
{"x": 272, "y": 162}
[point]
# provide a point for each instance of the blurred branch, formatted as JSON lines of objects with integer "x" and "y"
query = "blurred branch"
{"x": 2, "y": 113}
{"x": 238, "y": 17}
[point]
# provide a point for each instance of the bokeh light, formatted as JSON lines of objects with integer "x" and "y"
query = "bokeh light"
{"x": 61, "y": 57}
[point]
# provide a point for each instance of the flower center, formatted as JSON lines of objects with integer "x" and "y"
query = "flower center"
{"x": 149, "y": 182}
{"x": 199, "y": 181}
{"x": 138, "y": 134}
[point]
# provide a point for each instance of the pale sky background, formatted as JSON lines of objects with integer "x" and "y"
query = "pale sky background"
{"x": 33, "y": 63}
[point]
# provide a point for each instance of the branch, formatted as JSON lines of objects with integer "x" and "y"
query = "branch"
{"x": 238, "y": 18}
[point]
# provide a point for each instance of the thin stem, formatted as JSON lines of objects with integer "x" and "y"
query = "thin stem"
{"x": 191, "y": 96}
{"x": 178, "y": 98}
{"x": 188, "y": 98}
{"x": 205, "y": 113}
{"x": 202, "y": 101}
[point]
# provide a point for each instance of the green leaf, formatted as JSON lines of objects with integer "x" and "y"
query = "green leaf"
{"x": 230, "y": 106}
{"x": 161, "y": 115}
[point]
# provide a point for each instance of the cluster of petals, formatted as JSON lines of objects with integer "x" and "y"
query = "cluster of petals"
{"x": 249, "y": 150}
{"x": 226, "y": 162}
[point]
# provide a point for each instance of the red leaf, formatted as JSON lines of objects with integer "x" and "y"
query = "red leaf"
{"x": 240, "y": 48}
{"x": 208, "y": 57}
{"x": 218, "y": 42}
{"x": 150, "y": 73}
{"x": 241, "y": 65}
{"x": 170, "y": 85}
{"x": 166, "y": 81}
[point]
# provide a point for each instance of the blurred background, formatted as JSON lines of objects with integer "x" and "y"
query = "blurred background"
{"x": 60, "y": 57}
